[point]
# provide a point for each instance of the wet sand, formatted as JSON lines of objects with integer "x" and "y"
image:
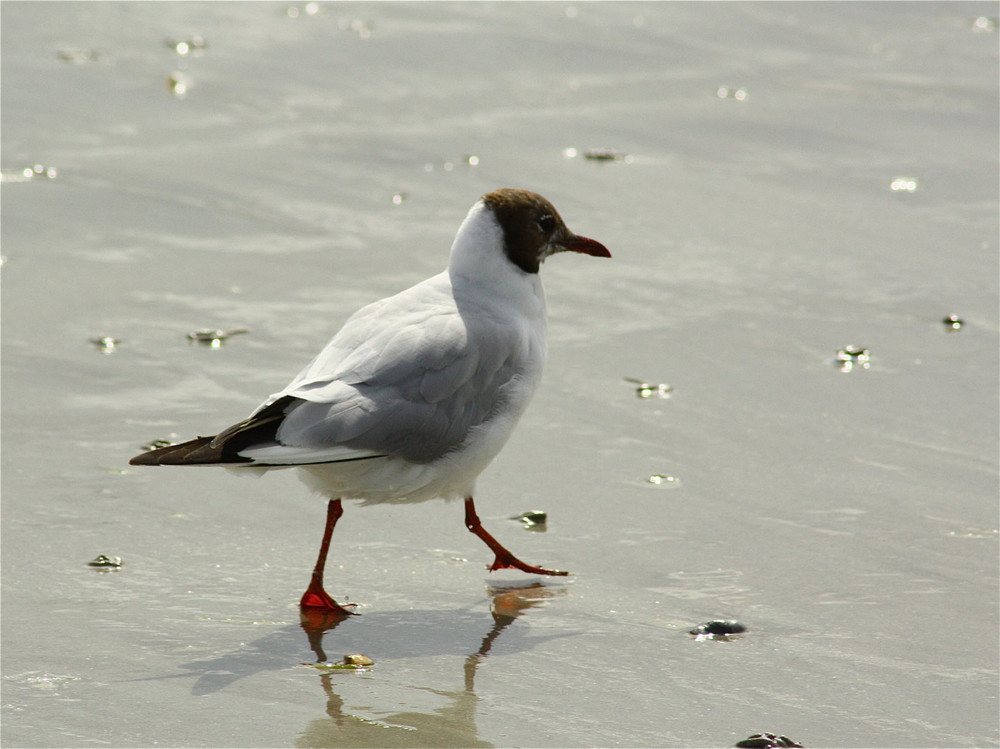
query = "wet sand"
{"x": 276, "y": 166}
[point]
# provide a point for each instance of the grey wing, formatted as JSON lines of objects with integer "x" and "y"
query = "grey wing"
{"x": 413, "y": 389}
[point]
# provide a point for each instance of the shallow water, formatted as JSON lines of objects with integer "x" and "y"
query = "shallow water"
{"x": 318, "y": 160}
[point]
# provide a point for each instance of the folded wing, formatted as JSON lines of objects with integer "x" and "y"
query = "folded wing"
{"x": 397, "y": 380}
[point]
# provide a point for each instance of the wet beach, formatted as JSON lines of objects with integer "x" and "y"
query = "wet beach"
{"x": 776, "y": 404}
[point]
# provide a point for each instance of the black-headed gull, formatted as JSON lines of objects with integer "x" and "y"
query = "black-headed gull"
{"x": 417, "y": 393}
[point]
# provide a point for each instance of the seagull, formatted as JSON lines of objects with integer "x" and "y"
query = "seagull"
{"x": 418, "y": 392}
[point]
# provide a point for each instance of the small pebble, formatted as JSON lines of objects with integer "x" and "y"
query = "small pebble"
{"x": 600, "y": 154}
{"x": 213, "y": 338}
{"x": 737, "y": 93}
{"x": 719, "y": 628}
{"x": 105, "y": 344}
{"x": 358, "y": 660}
{"x": 186, "y": 46}
{"x": 850, "y": 357}
{"x": 532, "y": 517}
{"x": 660, "y": 480}
{"x": 105, "y": 561}
{"x": 606, "y": 154}
{"x": 645, "y": 390}
{"x": 767, "y": 741}
{"x": 953, "y": 322}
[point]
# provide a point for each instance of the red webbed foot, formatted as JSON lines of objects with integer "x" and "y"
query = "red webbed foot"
{"x": 319, "y": 599}
{"x": 504, "y": 559}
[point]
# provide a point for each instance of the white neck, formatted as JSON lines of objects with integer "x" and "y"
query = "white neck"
{"x": 479, "y": 264}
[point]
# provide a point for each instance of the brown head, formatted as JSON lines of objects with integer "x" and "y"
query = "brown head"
{"x": 533, "y": 229}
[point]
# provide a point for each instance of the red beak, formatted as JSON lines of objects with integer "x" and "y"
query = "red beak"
{"x": 576, "y": 243}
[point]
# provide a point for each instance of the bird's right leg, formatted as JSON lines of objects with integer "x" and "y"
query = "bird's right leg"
{"x": 315, "y": 596}
{"x": 504, "y": 559}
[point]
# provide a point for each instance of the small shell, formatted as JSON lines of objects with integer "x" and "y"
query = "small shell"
{"x": 105, "y": 561}
{"x": 358, "y": 660}
{"x": 532, "y": 517}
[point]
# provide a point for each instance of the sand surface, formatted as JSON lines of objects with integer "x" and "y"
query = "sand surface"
{"x": 277, "y": 166}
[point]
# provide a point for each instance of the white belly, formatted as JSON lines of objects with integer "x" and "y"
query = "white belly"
{"x": 452, "y": 476}
{"x": 396, "y": 480}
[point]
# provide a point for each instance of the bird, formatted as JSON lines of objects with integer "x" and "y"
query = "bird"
{"x": 417, "y": 393}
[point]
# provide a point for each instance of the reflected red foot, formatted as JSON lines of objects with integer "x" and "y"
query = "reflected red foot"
{"x": 318, "y": 621}
{"x": 509, "y": 561}
{"x": 320, "y": 600}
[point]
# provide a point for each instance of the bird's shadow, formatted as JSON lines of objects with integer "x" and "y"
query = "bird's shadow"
{"x": 384, "y": 636}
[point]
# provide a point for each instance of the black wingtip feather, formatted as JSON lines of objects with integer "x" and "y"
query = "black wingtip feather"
{"x": 261, "y": 428}
{"x": 193, "y": 452}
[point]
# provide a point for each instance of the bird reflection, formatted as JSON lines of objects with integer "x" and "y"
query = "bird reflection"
{"x": 506, "y": 605}
{"x": 454, "y": 724}
{"x": 316, "y": 623}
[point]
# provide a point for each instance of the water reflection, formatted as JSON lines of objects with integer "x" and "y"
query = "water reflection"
{"x": 452, "y": 725}
{"x": 387, "y": 638}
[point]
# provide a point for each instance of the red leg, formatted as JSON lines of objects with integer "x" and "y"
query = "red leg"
{"x": 315, "y": 597}
{"x": 503, "y": 557}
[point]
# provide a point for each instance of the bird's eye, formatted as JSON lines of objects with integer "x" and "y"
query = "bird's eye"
{"x": 546, "y": 223}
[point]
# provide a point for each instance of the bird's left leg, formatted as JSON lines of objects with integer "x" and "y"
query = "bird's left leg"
{"x": 504, "y": 559}
{"x": 315, "y": 597}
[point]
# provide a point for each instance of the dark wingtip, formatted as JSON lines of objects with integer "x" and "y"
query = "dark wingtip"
{"x": 193, "y": 452}
{"x": 224, "y": 447}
